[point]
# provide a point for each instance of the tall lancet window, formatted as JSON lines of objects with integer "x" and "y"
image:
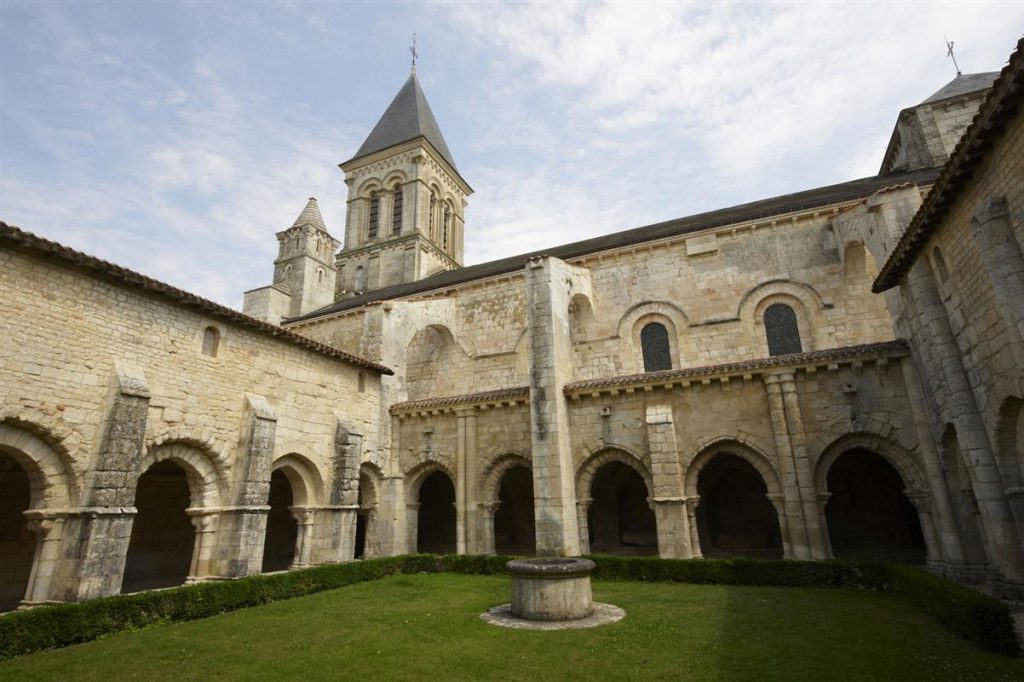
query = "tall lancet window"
{"x": 433, "y": 216}
{"x": 446, "y": 228}
{"x": 396, "y": 211}
{"x": 781, "y": 329}
{"x": 371, "y": 232}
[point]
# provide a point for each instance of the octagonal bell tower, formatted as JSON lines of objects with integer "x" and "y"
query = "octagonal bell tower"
{"x": 406, "y": 201}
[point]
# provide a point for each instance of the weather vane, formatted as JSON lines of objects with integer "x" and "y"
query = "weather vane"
{"x": 412, "y": 49}
{"x": 949, "y": 53}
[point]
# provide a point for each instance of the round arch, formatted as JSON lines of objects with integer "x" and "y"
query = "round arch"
{"x": 890, "y": 451}
{"x": 51, "y": 480}
{"x": 753, "y": 456}
{"x": 304, "y": 477}
{"x": 490, "y": 482}
{"x": 205, "y": 481}
{"x": 586, "y": 471}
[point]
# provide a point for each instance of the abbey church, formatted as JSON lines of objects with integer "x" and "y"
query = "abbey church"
{"x": 833, "y": 373}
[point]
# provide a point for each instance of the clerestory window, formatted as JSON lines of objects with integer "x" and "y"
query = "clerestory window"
{"x": 781, "y": 328}
{"x": 656, "y": 349}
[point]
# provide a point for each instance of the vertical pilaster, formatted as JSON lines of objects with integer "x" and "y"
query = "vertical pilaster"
{"x": 243, "y": 526}
{"x": 668, "y": 501}
{"x": 98, "y": 534}
{"x": 930, "y": 328}
{"x": 338, "y": 542}
{"x": 466, "y": 503}
{"x": 548, "y": 284}
{"x": 1001, "y": 256}
{"x": 799, "y": 544}
{"x": 813, "y": 520}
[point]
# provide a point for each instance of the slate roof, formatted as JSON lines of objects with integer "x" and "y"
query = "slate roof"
{"x": 406, "y": 118}
{"x": 311, "y": 216}
{"x": 17, "y": 239}
{"x": 1001, "y": 103}
{"x": 822, "y": 196}
{"x": 963, "y": 85}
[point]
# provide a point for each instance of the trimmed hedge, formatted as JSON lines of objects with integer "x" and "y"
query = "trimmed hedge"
{"x": 967, "y": 613}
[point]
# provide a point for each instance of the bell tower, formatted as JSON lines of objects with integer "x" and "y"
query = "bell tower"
{"x": 406, "y": 201}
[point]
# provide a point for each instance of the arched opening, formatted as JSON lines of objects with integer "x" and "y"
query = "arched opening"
{"x": 620, "y": 520}
{"x": 966, "y": 513}
{"x": 435, "y": 518}
{"x": 868, "y": 515}
{"x": 734, "y": 515}
{"x": 396, "y": 210}
{"x": 163, "y": 539}
{"x": 211, "y": 341}
{"x": 360, "y": 280}
{"x": 656, "y": 349}
{"x": 282, "y": 528}
{"x": 432, "y": 358}
{"x": 17, "y": 542}
{"x": 513, "y": 520}
{"x": 366, "y": 542}
{"x": 781, "y": 330}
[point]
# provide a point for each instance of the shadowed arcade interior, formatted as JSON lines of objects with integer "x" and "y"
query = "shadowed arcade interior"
{"x": 734, "y": 515}
{"x": 513, "y": 520}
{"x": 869, "y": 517}
{"x": 163, "y": 538}
{"x": 282, "y": 528}
{"x": 17, "y": 542}
{"x": 620, "y": 519}
{"x": 435, "y": 525}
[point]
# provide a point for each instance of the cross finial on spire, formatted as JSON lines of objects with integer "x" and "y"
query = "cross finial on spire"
{"x": 949, "y": 53}
{"x": 412, "y": 49}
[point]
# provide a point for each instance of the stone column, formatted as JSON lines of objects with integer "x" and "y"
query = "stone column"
{"x": 243, "y": 527}
{"x": 802, "y": 467}
{"x": 799, "y": 544}
{"x": 339, "y": 524}
{"x": 922, "y": 503}
{"x": 948, "y": 547}
{"x": 98, "y": 534}
{"x": 203, "y": 564}
{"x": 582, "y": 511}
{"x": 488, "y": 509}
{"x": 412, "y": 525}
{"x": 304, "y": 517}
{"x": 823, "y": 497}
{"x": 466, "y": 483}
{"x": 691, "y": 519}
{"x": 669, "y": 512}
{"x": 48, "y": 527}
{"x": 778, "y": 501}
{"x": 550, "y": 285}
{"x": 948, "y": 379}
{"x": 1001, "y": 256}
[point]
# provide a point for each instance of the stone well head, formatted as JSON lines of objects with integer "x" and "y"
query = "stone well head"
{"x": 551, "y": 588}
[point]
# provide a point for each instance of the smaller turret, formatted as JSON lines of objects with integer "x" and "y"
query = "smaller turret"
{"x": 304, "y": 272}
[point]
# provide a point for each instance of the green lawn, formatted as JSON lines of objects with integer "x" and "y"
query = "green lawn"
{"x": 415, "y": 627}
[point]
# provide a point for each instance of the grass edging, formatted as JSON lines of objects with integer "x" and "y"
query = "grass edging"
{"x": 973, "y": 616}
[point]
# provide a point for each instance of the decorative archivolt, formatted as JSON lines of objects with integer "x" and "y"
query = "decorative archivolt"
{"x": 490, "y": 482}
{"x": 667, "y": 311}
{"x": 756, "y": 298}
{"x": 742, "y": 446}
{"x": 415, "y": 476}
{"x": 369, "y": 494}
{"x": 47, "y": 463}
{"x": 202, "y": 440}
{"x": 611, "y": 453}
{"x": 304, "y": 477}
{"x": 207, "y": 481}
{"x": 888, "y": 449}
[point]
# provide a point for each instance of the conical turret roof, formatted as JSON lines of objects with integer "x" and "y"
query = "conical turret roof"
{"x": 406, "y": 118}
{"x": 311, "y": 216}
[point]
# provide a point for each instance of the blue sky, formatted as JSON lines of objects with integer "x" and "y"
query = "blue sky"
{"x": 176, "y": 138}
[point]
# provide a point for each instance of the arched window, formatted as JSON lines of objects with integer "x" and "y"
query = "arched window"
{"x": 781, "y": 329}
{"x": 211, "y": 340}
{"x": 396, "y": 211}
{"x": 656, "y": 349}
{"x": 446, "y": 227}
{"x": 371, "y": 232}
{"x": 433, "y": 216}
{"x": 360, "y": 279}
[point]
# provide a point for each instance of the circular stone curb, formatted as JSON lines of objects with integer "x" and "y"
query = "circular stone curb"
{"x": 603, "y": 614}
